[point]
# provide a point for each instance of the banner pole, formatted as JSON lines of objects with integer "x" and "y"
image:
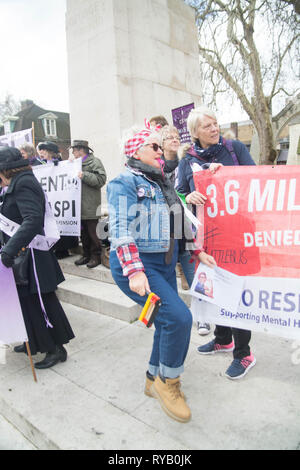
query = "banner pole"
{"x": 33, "y": 136}
{"x": 31, "y": 362}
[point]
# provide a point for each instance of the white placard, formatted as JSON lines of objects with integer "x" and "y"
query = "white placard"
{"x": 16, "y": 139}
{"x": 217, "y": 286}
{"x": 63, "y": 188}
{"x": 267, "y": 305}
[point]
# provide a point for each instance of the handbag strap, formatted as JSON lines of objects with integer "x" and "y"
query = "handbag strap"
{"x": 39, "y": 291}
{"x": 229, "y": 145}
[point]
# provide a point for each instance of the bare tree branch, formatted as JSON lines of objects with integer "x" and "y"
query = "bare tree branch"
{"x": 253, "y": 68}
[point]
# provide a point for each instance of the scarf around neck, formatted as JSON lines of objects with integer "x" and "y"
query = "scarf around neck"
{"x": 210, "y": 153}
{"x": 157, "y": 175}
{"x": 170, "y": 165}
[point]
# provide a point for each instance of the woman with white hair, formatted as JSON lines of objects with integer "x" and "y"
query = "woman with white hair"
{"x": 210, "y": 151}
{"x": 29, "y": 153}
{"x": 143, "y": 256}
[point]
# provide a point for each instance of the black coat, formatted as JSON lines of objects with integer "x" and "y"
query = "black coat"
{"x": 24, "y": 203}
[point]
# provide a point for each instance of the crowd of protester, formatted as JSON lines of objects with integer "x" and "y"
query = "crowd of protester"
{"x": 158, "y": 181}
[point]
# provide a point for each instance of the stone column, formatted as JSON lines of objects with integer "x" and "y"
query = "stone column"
{"x": 127, "y": 60}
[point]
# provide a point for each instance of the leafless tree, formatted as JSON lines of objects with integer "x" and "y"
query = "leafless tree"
{"x": 9, "y": 107}
{"x": 295, "y": 3}
{"x": 250, "y": 47}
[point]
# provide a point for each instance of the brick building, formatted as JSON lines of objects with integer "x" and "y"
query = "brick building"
{"x": 49, "y": 125}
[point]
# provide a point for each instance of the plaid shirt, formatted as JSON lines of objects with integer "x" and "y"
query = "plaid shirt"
{"x": 131, "y": 263}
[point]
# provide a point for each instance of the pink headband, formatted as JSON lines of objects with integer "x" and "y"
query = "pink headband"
{"x": 132, "y": 145}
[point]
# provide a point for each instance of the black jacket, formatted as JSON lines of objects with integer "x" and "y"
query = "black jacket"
{"x": 24, "y": 203}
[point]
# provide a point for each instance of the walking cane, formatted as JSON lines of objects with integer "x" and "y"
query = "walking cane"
{"x": 31, "y": 361}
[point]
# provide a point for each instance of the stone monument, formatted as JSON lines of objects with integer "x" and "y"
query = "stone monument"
{"x": 127, "y": 60}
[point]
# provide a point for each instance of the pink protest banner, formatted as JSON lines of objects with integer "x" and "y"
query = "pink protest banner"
{"x": 12, "y": 327}
{"x": 252, "y": 228}
{"x": 252, "y": 219}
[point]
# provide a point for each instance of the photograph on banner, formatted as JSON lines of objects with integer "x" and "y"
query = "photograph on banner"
{"x": 12, "y": 327}
{"x": 63, "y": 188}
{"x": 217, "y": 286}
{"x": 252, "y": 229}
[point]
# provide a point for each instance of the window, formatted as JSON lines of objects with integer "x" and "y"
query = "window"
{"x": 7, "y": 127}
{"x": 9, "y": 124}
{"x": 49, "y": 127}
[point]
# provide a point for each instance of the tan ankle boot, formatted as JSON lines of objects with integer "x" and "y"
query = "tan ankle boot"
{"x": 147, "y": 390}
{"x": 171, "y": 398}
{"x": 148, "y": 385}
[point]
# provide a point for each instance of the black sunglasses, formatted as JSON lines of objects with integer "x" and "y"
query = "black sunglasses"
{"x": 155, "y": 147}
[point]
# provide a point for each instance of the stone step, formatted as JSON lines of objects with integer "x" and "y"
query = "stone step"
{"x": 99, "y": 273}
{"x": 96, "y": 400}
{"x": 98, "y": 296}
{"x": 92, "y": 400}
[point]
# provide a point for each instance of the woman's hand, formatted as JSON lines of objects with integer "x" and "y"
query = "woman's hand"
{"x": 214, "y": 167}
{"x": 7, "y": 260}
{"x": 195, "y": 198}
{"x": 139, "y": 284}
{"x": 207, "y": 259}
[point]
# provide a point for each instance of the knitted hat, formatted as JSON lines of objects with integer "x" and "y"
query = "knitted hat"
{"x": 11, "y": 158}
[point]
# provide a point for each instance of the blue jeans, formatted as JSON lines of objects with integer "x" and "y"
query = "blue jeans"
{"x": 187, "y": 267}
{"x": 173, "y": 322}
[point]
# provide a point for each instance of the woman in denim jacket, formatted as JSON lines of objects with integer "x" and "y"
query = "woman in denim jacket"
{"x": 144, "y": 235}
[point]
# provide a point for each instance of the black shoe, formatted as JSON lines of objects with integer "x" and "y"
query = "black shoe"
{"x": 81, "y": 261}
{"x": 52, "y": 358}
{"x": 21, "y": 348}
{"x": 94, "y": 262}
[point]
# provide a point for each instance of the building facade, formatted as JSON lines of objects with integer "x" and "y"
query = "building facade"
{"x": 48, "y": 125}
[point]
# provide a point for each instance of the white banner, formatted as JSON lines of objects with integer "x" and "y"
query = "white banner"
{"x": 268, "y": 305}
{"x": 218, "y": 286}
{"x": 63, "y": 188}
{"x": 16, "y": 139}
{"x": 40, "y": 242}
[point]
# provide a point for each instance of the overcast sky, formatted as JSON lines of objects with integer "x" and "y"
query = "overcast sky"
{"x": 33, "y": 52}
{"x": 34, "y": 58}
